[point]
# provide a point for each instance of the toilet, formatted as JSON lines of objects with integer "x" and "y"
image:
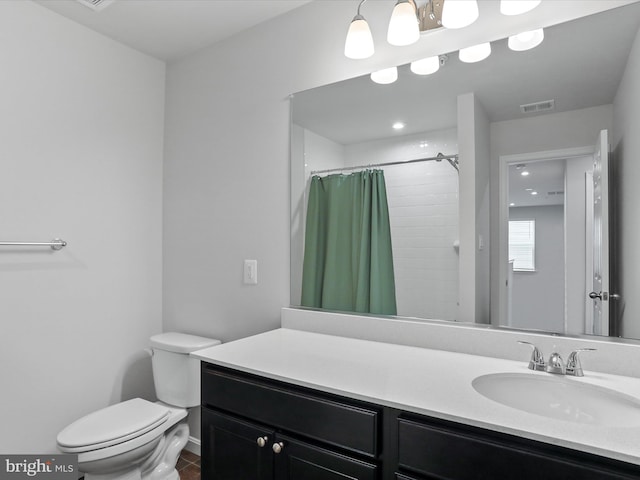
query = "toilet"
{"x": 138, "y": 439}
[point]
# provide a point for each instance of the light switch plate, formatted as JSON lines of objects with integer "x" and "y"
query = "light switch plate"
{"x": 250, "y": 272}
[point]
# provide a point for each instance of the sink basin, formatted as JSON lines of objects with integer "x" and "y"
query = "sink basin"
{"x": 561, "y": 398}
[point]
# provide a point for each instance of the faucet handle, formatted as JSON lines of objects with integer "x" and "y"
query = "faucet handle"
{"x": 574, "y": 367}
{"x": 537, "y": 359}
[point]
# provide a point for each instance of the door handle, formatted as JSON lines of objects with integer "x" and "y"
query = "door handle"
{"x": 604, "y": 296}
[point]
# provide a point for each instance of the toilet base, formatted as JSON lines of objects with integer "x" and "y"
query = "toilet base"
{"x": 160, "y": 464}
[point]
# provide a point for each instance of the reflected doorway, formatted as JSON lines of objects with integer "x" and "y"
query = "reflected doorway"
{"x": 551, "y": 241}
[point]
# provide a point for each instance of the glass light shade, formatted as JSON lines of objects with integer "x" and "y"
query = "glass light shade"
{"x": 476, "y": 53}
{"x": 386, "y": 76}
{"x": 403, "y": 26}
{"x": 517, "y": 7}
{"x": 526, "y": 40}
{"x": 359, "y": 42}
{"x": 459, "y": 13}
{"x": 426, "y": 66}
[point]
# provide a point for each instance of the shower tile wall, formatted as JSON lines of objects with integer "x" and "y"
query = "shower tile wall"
{"x": 423, "y": 210}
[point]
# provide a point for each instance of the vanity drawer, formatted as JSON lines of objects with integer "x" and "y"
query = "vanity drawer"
{"x": 441, "y": 451}
{"x": 324, "y": 418}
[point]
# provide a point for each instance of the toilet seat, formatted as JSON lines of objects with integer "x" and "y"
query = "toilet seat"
{"x": 112, "y": 425}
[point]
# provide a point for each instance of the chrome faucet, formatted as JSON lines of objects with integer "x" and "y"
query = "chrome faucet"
{"x": 537, "y": 359}
{"x": 555, "y": 364}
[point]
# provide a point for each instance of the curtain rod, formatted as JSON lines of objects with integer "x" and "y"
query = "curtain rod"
{"x": 439, "y": 157}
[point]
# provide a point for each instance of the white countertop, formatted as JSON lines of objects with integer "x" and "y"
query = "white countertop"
{"x": 430, "y": 382}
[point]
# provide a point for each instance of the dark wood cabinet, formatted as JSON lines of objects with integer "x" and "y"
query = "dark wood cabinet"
{"x": 230, "y": 449}
{"x": 254, "y": 429}
{"x": 430, "y": 448}
{"x": 259, "y": 429}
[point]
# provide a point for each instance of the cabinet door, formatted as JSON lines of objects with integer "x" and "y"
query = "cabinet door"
{"x": 430, "y": 450}
{"x": 296, "y": 460}
{"x": 232, "y": 449}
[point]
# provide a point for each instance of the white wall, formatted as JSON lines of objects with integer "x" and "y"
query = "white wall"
{"x": 538, "y": 297}
{"x": 473, "y": 140}
{"x": 626, "y": 148}
{"x": 320, "y": 153}
{"x": 81, "y": 158}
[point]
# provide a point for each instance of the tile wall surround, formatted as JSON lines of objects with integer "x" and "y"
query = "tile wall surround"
{"x": 613, "y": 356}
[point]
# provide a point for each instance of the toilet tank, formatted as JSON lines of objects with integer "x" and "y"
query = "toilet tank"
{"x": 177, "y": 375}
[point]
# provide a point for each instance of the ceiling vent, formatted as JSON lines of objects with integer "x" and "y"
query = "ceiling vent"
{"x": 538, "y": 106}
{"x": 95, "y": 5}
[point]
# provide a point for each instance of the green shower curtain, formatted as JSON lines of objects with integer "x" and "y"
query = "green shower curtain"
{"x": 348, "y": 263}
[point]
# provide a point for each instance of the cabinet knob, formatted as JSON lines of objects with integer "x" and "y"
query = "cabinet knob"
{"x": 262, "y": 441}
{"x": 277, "y": 447}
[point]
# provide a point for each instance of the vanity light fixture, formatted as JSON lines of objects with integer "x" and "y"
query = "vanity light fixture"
{"x": 476, "y": 53}
{"x": 385, "y": 76}
{"x": 426, "y": 66}
{"x": 517, "y": 7}
{"x": 359, "y": 42}
{"x": 459, "y": 13}
{"x": 526, "y": 40}
{"x": 404, "y": 28}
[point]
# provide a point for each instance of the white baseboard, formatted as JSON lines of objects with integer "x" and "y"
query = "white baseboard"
{"x": 193, "y": 445}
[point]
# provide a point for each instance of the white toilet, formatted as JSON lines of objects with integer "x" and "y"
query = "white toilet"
{"x": 138, "y": 439}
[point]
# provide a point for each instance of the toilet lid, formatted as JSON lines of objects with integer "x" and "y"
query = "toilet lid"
{"x": 115, "y": 424}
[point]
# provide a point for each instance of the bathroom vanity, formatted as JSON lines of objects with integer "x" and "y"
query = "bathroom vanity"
{"x": 289, "y": 404}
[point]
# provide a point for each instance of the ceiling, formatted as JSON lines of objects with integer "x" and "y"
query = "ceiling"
{"x": 170, "y": 29}
{"x": 545, "y": 178}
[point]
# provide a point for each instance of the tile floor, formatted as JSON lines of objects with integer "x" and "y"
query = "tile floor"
{"x": 188, "y": 466}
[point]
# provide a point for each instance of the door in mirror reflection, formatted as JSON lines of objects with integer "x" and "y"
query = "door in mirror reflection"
{"x": 557, "y": 277}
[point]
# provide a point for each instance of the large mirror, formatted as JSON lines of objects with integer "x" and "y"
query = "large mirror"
{"x": 539, "y": 243}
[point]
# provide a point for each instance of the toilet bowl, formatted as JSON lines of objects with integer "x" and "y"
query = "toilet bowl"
{"x": 138, "y": 439}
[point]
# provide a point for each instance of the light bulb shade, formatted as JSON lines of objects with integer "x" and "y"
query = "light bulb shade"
{"x": 359, "y": 42}
{"x": 386, "y": 76}
{"x": 403, "y": 26}
{"x": 526, "y": 40}
{"x": 459, "y": 13}
{"x": 426, "y": 66}
{"x": 477, "y": 53}
{"x": 517, "y": 7}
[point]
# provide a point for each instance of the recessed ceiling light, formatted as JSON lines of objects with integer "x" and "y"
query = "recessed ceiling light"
{"x": 534, "y": 193}
{"x": 524, "y": 173}
{"x": 398, "y": 126}
{"x": 512, "y": 204}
